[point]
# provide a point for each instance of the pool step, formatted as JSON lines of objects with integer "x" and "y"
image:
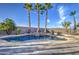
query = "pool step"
{"x": 47, "y": 49}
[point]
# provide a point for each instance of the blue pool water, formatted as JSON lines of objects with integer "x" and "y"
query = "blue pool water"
{"x": 24, "y": 38}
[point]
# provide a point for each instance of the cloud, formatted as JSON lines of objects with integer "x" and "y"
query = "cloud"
{"x": 61, "y": 15}
{"x": 48, "y": 21}
{"x": 62, "y": 20}
{"x": 21, "y": 25}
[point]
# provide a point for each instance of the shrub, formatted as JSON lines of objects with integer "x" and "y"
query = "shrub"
{"x": 8, "y": 26}
{"x": 18, "y": 30}
{"x": 58, "y": 33}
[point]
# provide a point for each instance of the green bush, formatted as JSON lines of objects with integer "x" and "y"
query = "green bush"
{"x": 8, "y": 25}
{"x": 18, "y": 30}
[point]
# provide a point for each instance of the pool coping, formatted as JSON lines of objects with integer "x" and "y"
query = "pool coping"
{"x": 9, "y": 36}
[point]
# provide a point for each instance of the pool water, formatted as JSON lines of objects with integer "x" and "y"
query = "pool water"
{"x": 25, "y": 38}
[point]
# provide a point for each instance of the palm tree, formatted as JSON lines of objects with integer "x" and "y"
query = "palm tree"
{"x": 66, "y": 25}
{"x": 73, "y": 14}
{"x": 28, "y": 6}
{"x": 77, "y": 26}
{"x": 46, "y": 7}
{"x": 38, "y": 8}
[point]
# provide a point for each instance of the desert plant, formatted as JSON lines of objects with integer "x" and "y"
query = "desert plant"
{"x": 66, "y": 24}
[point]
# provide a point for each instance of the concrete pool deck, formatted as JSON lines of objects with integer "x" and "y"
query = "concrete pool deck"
{"x": 42, "y": 47}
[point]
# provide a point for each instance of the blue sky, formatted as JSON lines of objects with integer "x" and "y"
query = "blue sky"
{"x": 59, "y": 13}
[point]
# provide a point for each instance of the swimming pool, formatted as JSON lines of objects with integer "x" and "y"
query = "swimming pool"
{"x": 30, "y": 37}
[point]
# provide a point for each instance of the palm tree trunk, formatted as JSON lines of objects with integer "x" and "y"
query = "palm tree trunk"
{"x": 29, "y": 24}
{"x": 46, "y": 20}
{"x": 8, "y": 32}
{"x": 75, "y": 27}
{"x": 66, "y": 30}
{"x": 38, "y": 30}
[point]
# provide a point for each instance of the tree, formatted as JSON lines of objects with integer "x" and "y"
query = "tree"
{"x": 38, "y": 7}
{"x": 47, "y": 6}
{"x": 77, "y": 24}
{"x": 3, "y": 26}
{"x": 28, "y": 6}
{"x": 66, "y": 25}
{"x": 8, "y": 26}
{"x": 73, "y": 14}
{"x": 18, "y": 31}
